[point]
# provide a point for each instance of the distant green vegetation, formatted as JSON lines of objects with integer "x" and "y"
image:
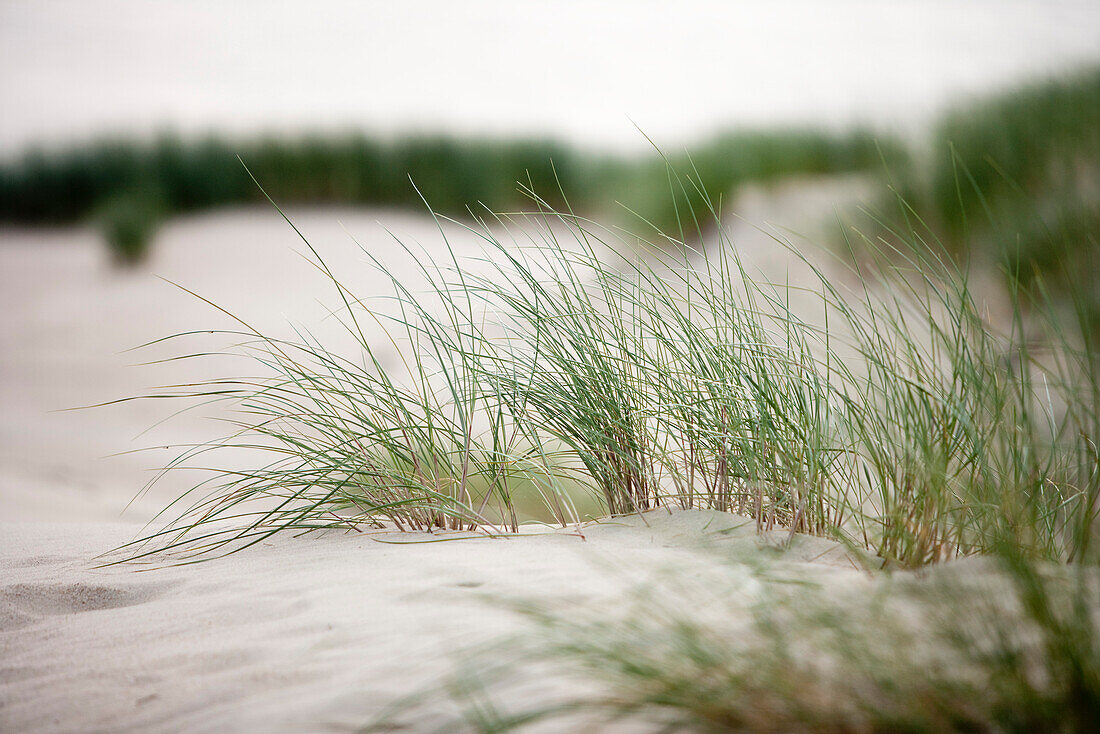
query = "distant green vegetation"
{"x": 129, "y": 220}
{"x": 454, "y": 175}
{"x": 678, "y": 206}
{"x": 1041, "y": 142}
{"x": 1013, "y": 181}
{"x": 65, "y": 185}
{"x": 1015, "y": 177}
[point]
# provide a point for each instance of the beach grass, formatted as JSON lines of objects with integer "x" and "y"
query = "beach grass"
{"x": 566, "y": 360}
{"x": 888, "y": 415}
{"x": 573, "y": 369}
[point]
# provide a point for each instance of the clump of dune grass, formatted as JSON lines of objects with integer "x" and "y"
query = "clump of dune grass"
{"x": 889, "y": 415}
{"x": 340, "y": 442}
{"x": 563, "y": 361}
{"x": 963, "y": 430}
{"x": 671, "y": 385}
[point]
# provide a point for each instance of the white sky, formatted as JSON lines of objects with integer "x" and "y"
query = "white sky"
{"x": 576, "y": 70}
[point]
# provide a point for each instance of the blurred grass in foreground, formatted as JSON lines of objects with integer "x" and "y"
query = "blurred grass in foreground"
{"x": 1000, "y": 645}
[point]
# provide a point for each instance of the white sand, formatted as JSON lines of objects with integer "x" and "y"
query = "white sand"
{"x": 309, "y": 634}
{"x": 295, "y": 634}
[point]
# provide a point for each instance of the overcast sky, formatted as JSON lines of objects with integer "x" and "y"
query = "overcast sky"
{"x": 578, "y": 70}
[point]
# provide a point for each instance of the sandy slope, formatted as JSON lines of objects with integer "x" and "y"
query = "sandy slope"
{"x": 310, "y": 634}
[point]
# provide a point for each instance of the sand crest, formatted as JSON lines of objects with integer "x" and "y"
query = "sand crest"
{"x": 304, "y": 634}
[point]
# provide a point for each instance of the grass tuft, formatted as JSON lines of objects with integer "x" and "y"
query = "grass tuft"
{"x": 899, "y": 420}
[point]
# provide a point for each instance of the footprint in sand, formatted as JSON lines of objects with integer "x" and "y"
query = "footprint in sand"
{"x": 37, "y": 561}
{"x": 21, "y": 604}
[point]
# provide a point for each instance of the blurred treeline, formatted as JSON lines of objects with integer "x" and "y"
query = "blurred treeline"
{"x": 130, "y": 186}
{"x": 1013, "y": 178}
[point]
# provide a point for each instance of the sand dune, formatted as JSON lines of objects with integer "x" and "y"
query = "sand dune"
{"x": 306, "y": 634}
{"x": 317, "y": 633}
